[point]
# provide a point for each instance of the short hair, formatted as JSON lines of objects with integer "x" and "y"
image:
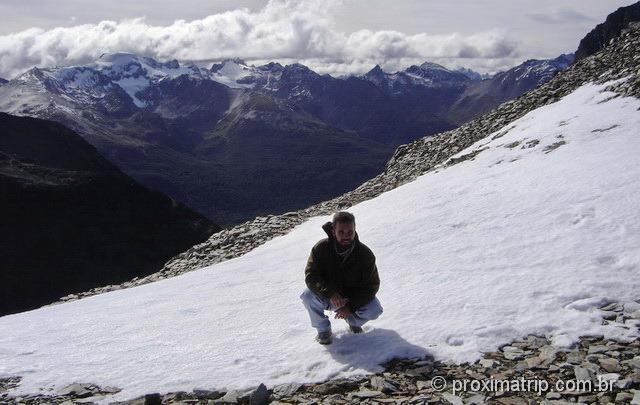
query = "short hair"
{"x": 344, "y": 217}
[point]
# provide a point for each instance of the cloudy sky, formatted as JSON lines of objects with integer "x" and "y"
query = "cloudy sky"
{"x": 330, "y": 36}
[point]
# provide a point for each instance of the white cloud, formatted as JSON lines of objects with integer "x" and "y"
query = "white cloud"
{"x": 283, "y": 29}
{"x": 561, "y": 16}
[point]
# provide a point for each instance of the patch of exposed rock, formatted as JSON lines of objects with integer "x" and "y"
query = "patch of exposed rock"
{"x": 618, "y": 61}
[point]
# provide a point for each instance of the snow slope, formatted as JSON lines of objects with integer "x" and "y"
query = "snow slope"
{"x": 516, "y": 241}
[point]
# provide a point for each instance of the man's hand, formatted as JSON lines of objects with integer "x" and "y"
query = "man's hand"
{"x": 338, "y": 301}
{"x": 343, "y": 313}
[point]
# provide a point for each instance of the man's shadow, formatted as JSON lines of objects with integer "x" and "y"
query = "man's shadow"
{"x": 371, "y": 349}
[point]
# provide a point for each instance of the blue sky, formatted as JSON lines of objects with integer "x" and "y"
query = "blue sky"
{"x": 335, "y": 36}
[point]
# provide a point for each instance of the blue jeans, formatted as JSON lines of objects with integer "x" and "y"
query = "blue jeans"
{"x": 316, "y": 305}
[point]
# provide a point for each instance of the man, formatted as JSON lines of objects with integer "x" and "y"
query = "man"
{"x": 341, "y": 276}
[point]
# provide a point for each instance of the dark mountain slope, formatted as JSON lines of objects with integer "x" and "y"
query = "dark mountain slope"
{"x": 611, "y": 28}
{"x": 72, "y": 221}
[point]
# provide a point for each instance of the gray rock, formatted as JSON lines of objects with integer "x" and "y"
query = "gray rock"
{"x": 365, "y": 394}
{"x": 286, "y": 390}
{"x": 420, "y": 371}
{"x": 77, "y": 390}
{"x": 514, "y": 353}
{"x": 614, "y": 306}
{"x": 560, "y": 402}
{"x": 624, "y": 397}
{"x": 532, "y": 362}
{"x": 383, "y": 385}
{"x": 624, "y": 384}
{"x": 207, "y": 394}
{"x": 452, "y": 399}
{"x": 259, "y": 396}
{"x": 230, "y": 397}
{"x": 610, "y": 365}
{"x": 583, "y": 374}
{"x": 512, "y": 401}
{"x": 587, "y": 398}
{"x": 153, "y": 399}
{"x": 574, "y": 357}
{"x": 598, "y": 349}
{"x": 488, "y": 363}
{"x": 423, "y": 385}
{"x": 635, "y": 362}
{"x": 477, "y": 399}
{"x": 536, "y": 342}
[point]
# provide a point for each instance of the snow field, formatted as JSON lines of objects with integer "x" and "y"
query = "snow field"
{"x": 525, "y": 238}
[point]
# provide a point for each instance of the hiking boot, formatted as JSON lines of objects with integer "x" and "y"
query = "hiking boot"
{"x": 355, "y": 329}
{"x": 324, "y": 338}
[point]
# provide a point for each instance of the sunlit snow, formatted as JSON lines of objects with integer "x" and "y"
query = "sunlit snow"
{"x": 531, "y": 236}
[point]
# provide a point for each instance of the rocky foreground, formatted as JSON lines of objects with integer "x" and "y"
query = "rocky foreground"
{"x": 525, "y": 372}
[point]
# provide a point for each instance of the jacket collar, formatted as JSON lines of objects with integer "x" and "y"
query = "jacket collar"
{"x": 328, "y": 227}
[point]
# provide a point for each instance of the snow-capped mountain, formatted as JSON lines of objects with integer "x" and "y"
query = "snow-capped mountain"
{"x": 483, "y": 96}
{"x": 107, "y": 78}
{"x": 174, "y": 128}
{"x": 430, "y": 75}
{"x": 536, "y": 71}
{"x": 235, "y": 73}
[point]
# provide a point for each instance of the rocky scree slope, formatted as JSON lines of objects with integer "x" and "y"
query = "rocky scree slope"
{"x": 620, "y": 61}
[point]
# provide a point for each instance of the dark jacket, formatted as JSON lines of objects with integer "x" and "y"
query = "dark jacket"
{"x": 356, "y": 279}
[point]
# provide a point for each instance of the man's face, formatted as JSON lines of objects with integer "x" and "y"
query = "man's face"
{"x": 344, "y": 233}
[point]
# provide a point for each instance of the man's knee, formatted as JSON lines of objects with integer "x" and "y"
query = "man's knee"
{"x": 373, "y": 309}
{"x": 308, "y": 297}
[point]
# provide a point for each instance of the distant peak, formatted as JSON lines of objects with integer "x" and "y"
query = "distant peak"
{"x": 271, "y": 66}
{"x": 118, "y": 57}
{"x": 125, "y": 58}
{"x": 237, "y": 61}
{"x": 376, "y": 70}
{"x": 432, "y": 66}
{"x": 472, "y": 74}
{"x": 297, "y": 66}
{"x": 229, "y": 61}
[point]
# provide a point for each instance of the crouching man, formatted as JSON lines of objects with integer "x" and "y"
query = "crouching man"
{"x": 341, "y": 276}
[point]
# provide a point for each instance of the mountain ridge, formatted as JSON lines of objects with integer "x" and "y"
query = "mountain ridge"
{"x": 64, "y": 206}
{"x": 604, "y": 32}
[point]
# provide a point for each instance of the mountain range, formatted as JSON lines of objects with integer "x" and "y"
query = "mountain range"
{"x": 236, "y": 141}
